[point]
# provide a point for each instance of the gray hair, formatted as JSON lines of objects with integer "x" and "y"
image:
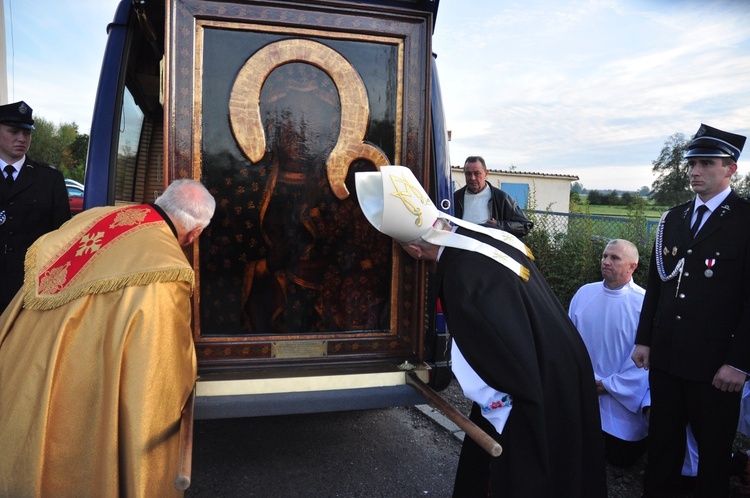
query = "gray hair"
{"x": 188, "y": 202}
{"x": 630, "y": 250}
{"x": 474, "y": 159}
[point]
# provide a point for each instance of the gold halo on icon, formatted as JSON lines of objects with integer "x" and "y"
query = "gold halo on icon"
{"x": 244, "y": 105}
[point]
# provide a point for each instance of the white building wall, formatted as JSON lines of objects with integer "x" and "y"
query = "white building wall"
{"x": 546, "y": 192}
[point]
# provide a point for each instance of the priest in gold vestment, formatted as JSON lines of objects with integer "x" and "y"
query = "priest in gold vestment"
{"x": 96, "y": 353}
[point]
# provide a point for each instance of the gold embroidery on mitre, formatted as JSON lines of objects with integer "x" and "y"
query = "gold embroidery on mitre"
{"x": 408, "y": 191}
{"x": 129, "y": 217}
{"x": 90, "y": 243}
{"x": 54, "y": 280}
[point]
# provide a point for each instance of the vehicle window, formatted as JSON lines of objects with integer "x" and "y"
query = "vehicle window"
{"x": 131, "y": 125}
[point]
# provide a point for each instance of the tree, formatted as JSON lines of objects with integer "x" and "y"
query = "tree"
{"x": 577, "y": 188}
{"x": 612, "y": 198}
{"x": 741, "y": 184}
{"x": 575, "y": 201}
{"x": 595, "y": 198}
{"x": 626, "y": 199}
{"x": 672, "y": 187}
{"x": 61, "y": 146}
{"x": 74, "y": 158}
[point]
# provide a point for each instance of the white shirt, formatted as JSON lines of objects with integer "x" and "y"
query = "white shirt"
{"x": 607, "y": 320}
{"x": 495, "y": 405}
{"x": 477, "y": 206}
{"x": 712, "y": 204}
{"x": 16, "y": 166}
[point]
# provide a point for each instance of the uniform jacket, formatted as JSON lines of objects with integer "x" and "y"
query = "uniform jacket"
{"x": 697, "y": 323}
{"x": 502, "y": 207}
{"x": 517, "y": 337}
{"x": 37, "y": 204}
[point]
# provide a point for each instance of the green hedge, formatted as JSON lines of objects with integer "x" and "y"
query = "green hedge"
{"x": 568, "y": 248}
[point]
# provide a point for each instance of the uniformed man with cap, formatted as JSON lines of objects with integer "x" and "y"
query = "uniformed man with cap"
{"x": 694, "y": 330}
{"x": 515, "y": 352}
{"x": 33, "y": 197}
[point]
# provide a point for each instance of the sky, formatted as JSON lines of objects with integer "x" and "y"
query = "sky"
{"x": 588, "y": 88}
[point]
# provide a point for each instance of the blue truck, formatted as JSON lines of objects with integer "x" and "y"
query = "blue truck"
{"x": 300, "y": 306}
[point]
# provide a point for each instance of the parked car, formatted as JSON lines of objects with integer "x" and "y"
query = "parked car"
{"x": 75, "y": 197}
{"x": 73, "y": 183}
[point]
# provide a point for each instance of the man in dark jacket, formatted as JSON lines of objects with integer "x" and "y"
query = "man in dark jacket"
{"x": 694, "y": 330}
{"x": 481, "y": 203}
{"x": 33, "y": 197}
{"x": 515, "y": 352}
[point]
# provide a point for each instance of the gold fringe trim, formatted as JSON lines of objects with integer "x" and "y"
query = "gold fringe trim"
{"x": 33, "y": 302}
{"x": 525, "y": 273}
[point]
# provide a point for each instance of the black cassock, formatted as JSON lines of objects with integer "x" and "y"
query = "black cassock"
{"x": 517, "y": 337}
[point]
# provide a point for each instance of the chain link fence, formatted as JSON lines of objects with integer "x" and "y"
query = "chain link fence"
{"x": 568, "y": 246}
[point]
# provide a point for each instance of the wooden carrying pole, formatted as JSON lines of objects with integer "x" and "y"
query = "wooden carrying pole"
{"x": 462, "y": 421}
{"x": 185, "y": 456}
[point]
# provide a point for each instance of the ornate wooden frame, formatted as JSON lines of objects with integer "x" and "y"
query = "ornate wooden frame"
{"x": 302, "y": 26}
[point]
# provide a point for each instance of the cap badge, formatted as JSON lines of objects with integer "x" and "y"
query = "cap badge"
{"x": 23, "y": 108}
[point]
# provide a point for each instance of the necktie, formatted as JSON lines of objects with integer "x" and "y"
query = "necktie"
{"x": 9, "y": 170}
{"x": 700, "y": 212}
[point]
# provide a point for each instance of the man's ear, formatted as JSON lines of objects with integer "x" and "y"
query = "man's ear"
{"x": 193, "y": 234}
{"x": 732, "y": 169}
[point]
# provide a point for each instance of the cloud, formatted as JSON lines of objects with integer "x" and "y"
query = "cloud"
{"x": 590, "y": 88}
{"x": 585, "y": 87}
{"x": 55, "y": 52}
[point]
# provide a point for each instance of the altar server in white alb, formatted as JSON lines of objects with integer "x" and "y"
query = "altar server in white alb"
{"x": 606, "y": 315}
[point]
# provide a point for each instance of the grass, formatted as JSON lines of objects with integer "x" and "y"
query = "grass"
{"x": 652, "y": 212}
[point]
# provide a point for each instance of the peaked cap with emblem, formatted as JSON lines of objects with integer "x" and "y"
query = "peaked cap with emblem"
{"x": 17, "y": 114}
{"x": 712, "y": 142}
{"x": 394, "y": 202}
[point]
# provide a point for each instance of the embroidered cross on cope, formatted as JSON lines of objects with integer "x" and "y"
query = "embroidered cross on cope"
{"x": 699, "y": 217}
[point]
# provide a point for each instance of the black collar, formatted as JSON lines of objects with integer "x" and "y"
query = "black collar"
{"x": 166, "y": 218}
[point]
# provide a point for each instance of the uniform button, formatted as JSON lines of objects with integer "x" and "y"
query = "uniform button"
{"x": 690, "y": 251}
{"x": 678, "y": 317}
{"x": 686, "y": 274}
{"x": 718, "y": 253}
{"x": 10, "y": 232}
{"x": 10, "y": 249}
{"x": 682, "y": 296}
